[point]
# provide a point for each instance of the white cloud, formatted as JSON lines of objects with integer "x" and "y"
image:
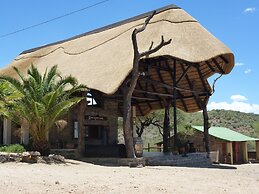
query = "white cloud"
{"x": 249, "y": 10}
{"x": 239, "y": 64}
{"x": 237, "y": 104}
{"x": 248, "y": 71}
{"x": 238, "y": 98}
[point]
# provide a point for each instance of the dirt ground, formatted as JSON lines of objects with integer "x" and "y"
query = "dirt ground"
{"x": 79, "y": 177}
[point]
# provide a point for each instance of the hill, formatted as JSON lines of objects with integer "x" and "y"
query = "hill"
{"x": 245, "y": 123}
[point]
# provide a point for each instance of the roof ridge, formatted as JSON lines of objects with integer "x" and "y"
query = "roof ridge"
{"x": 110, "y": 26}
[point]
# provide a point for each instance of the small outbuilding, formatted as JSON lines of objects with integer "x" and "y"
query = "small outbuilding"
{"x": 226, "y": 145}
{"x": 231, "y": 145}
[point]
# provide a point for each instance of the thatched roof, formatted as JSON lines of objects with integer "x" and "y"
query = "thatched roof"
{"x": 102, "y": 59}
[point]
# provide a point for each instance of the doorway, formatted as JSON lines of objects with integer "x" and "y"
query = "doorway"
{"x": 96, "y": 135}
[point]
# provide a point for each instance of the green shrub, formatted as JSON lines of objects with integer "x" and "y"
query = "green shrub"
{"x": 15, "y": 148}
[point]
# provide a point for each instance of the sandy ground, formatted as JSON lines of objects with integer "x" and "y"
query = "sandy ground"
{"x": 79, "y": 177}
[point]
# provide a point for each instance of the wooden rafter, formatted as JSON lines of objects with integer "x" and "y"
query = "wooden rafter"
{"x": 179, "y": 93}
{"x": 202, "y": 80}
{"x": 140, "y": 110}
{"x": 218, "y": 66}
{"x": 141, "y": 88}
{"x": 160, "y": 100}
{"x": 183, "y": 75}
{"x": 142, "y": 98}
{"x": 182, "y": 100}
{"x": 153, "y": 93}
{"x": 161, "y": 78}
{"x": 191, "y": 87}
{"x": 169, "y": 86}
{"x": 210, "y": 66}
{"x": 223, "y": 59}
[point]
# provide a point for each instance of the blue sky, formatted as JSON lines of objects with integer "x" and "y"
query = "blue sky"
{"x": 234, "y": 22}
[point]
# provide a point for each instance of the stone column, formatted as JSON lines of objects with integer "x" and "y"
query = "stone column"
{"x": 229, "y": 152}
{"x": 7, "y": 131}
{"x": 244, "y": 152}
{"x": 25, "y": 133}
{"x": 257, "y": 150}
{"x": 81, "y": 126}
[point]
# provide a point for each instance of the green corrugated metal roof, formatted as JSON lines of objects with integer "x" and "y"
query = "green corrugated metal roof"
{"x": 226, "y": 134}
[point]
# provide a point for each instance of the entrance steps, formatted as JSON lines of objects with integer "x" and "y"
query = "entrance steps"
{"x": 197, "y": 159}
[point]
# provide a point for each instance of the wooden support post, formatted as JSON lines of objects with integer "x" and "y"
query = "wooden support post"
{"x": 244, "y": 152}
{"x": 175, "y": 109}
{"x": 81, "y": 126}
{"x": 166, "y": 130}
{"x": 206, "y": 129}
{"x": 257, "y": 150}
{"x": 229, "y": 152}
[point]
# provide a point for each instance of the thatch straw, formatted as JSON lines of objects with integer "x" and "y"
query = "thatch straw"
{"x": 103, "y": 59}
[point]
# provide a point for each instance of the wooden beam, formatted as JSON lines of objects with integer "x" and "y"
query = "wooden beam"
{"x": 179, "y": 93}
{"x": 178, "y": 98}
{"x": 161, "y": 78}
{"x": 223, "y": 59}
{"x": 155, "y": 66}
{"x": 153, "y": 93}
{"x": 142, "y": 98}
{"x": 191, "y": 87}
{"x": 153, "y": 88}
{"x": 140, "y": 110}
{"x": 202, "y": 80}
{"x": 166, "y": 125}
{"x": 169, "y": 86}
{"x": 183, "y": 102}
{"x": 175, "y": 109}
{"x": 149, "y": 105}
{"x": 209, "y": 65}
{"x": 144, "y": 102}
{"x": 218, "y": 66}
{"x": 182, "y": 76}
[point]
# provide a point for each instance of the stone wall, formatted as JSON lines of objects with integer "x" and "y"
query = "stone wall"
{"x": 198, "y": 159}
{"x": 108, "y": 115}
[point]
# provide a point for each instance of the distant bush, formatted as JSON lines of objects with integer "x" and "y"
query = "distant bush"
{"x": 15, "y": 148}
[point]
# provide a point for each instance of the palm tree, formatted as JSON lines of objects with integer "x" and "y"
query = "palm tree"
{"x": 8, "y": 96}
{"x": 44, "y": 99}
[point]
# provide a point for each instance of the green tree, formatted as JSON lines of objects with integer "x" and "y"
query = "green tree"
{"x": 8, "y": 96}
{"x": 256, "y": 129}
{"x": 43, "y": 100}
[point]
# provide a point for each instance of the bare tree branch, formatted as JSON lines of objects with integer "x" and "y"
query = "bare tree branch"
{"x": 214, "y": 83}
{"x": 152, "y": 43}
{"x": 145, "y": 24}
{"x": 128, "y": 90}
{"x": 146, "y": 123}
{"x": 157, "y": 48}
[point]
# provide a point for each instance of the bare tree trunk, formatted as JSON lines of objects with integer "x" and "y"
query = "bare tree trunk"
{"x": 127, "y": 125}
{"x": 129, "y": 87}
